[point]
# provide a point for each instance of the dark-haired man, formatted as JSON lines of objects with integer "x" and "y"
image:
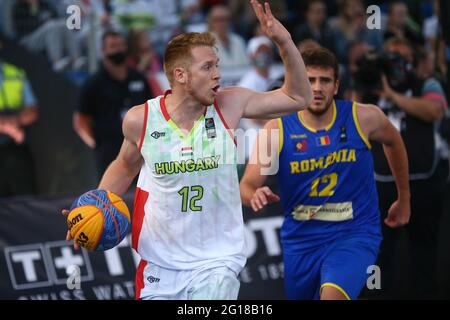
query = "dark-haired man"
{"x": 331, "y": 231}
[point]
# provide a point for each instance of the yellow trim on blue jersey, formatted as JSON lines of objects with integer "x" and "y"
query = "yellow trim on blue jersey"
{"x": 304, "y": 124}
{"x": 328, "y": 127}
{"x": 329, "y": 284}
{"x": 355, "y": 119}
{"x": 281, "y": 138}
{"x": 334, "y": 117}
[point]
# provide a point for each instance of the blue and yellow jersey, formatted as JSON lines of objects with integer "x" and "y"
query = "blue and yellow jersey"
{"x": 326, "y": 180}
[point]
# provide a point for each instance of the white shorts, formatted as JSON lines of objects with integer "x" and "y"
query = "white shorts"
{"x": 157, "y": 283}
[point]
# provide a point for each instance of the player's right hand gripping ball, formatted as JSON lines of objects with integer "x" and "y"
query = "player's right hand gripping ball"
{"x": 98, "y": 220}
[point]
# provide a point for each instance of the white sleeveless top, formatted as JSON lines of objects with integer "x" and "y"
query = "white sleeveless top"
{"x": 187, "y": 210}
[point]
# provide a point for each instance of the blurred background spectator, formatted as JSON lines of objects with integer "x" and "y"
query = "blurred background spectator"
{"x": 96, "y": 19}
{"x": 434, "y": 40}
{"x": 162, "y": 18}
{"x": 106, "y": 97}
{"x": 244, "y": 19}
{"x": 315, "y": 26}
{"x": 230, "y": 46}
{"x": 144, "y": 58}
{"x": 261, "y": 77}
{"x": 350, "y": 25}
{"x": 40, "y": 29}
{"x": 18, "y": 109}
{"x": 355, "y": 52}
{"x": 415, "y": 103}
{"x": 400, "y": 25}
{"x": 307, "y": 44}
{"x": 262, "y": 74}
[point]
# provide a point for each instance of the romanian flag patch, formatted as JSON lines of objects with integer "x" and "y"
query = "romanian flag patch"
{"x": 323, "y": 141}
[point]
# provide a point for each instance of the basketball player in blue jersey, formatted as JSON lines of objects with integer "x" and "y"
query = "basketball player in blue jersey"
{"x": 187, "y": 222}
{"x": 331, "y": 231}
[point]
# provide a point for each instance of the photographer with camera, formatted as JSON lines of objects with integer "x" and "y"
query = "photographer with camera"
{"x": 401, "y": 83}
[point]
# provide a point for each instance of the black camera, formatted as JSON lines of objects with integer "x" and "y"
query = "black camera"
{"x": 372, "y": 65}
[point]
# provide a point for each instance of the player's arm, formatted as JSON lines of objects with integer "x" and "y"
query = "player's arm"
{"x": 253, "y": 193}
{"x": 121, "y": 172}
{"x": 377, "y": 127}
{"x": 294, "y": 95}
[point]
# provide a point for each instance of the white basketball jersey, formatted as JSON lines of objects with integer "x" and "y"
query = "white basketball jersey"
{"x": 187, "y": 211}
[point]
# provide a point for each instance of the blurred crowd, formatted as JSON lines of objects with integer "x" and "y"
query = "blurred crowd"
{"x": 41, "y": 25}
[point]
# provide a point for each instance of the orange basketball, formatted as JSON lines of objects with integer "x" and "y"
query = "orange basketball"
{"x": 98, "y": 220}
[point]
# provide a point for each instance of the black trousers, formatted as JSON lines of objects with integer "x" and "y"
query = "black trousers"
{"x": 419, "y": 279}
{"x": 16, "y": 171}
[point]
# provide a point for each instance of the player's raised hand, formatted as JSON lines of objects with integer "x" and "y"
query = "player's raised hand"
{"x": 398, "y": 214}
{"x": 262, "y": 197}
{"x": 76, "y": 246}
{"x": 270, "y": 25}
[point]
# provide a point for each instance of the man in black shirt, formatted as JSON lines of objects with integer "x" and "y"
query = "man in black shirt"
{"x": 415, "y": 104}
{"x": 106, "y": 97}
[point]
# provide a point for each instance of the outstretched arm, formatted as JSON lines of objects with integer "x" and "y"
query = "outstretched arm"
{"x": 376, "y": 126}
{"x": 296, "y": 84}
{"x": 294, "y": 95}
{"x": 252, "y": 192}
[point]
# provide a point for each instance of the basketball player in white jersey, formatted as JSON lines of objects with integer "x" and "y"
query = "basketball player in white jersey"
{"x": 187, "y": 223}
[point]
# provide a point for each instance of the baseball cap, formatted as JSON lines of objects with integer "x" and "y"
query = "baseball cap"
{"x": 256, "y": 42}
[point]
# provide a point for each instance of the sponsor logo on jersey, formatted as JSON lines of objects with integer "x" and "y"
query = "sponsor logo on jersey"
{"x": 298, "y": 136}
{"x": 152, "y": 279}
{"x": 157, "y": 134}
{"x": 210, "y": 128}
{"x": 343, "y": 134}
{"x": 341, "y": 211}
{"x": 301, "y": 146}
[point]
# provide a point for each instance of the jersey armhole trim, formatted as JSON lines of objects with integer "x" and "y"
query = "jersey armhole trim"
{"x": 358, "y": 128}
{"x": 144, "y": 127}
{"x": 333, "y": 285}
{"x": 281, "y": 138}
{"x": 216, "y": 106}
